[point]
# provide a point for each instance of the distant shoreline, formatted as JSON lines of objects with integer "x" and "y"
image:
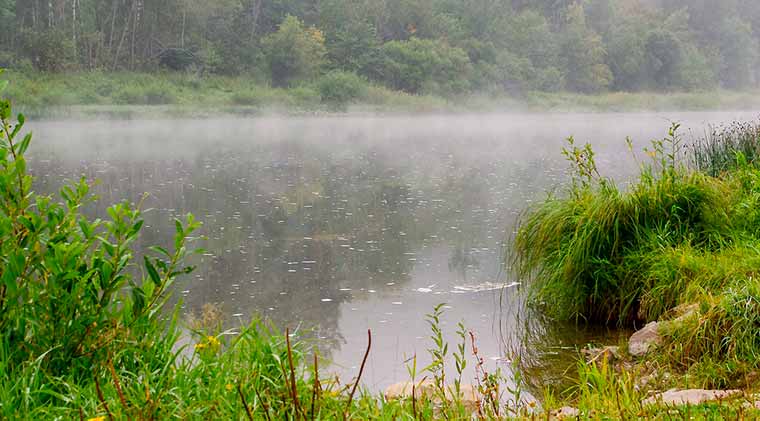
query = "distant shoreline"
{"x": 174, "y": 95}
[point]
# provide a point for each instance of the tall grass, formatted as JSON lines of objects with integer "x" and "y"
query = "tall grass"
{"x": 685, "y": 234}
{"x": 723, "y": 148}
{"x": 585, "y": 250}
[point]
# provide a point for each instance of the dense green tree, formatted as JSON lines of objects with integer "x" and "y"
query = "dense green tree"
{"x": 738, "y": 53}
{"x": 294, "y": 52}
{"x": 351, "y": 38}
{"x": 421, "y": 65}
{"x": 584, "y": 54}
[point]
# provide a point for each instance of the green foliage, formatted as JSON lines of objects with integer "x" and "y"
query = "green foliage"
{"x": 588, "y": 254}
{"x": 340, "y": 88}
{"x": 679, "y": 246}
{"x": 513, "y": 47}
{"x": 50, "y": 50}
{"x": 663, "y": 51}
{"x": 583, "y": 53}
{"x": 68, "y": 299}
{"x": 420, "y": 65}
{"x": 722, "y": 149}
{"x": 738, "y": 53}
{"x": 294, "y": 52}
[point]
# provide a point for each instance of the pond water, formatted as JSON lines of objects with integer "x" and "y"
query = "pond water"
{"x": 336, "y": 225}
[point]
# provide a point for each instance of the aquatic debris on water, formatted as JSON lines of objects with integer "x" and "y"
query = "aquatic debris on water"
{"x": 485, "y": 286}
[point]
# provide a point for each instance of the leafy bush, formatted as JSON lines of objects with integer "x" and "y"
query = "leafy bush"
{"x": 51, "y": 50}
{"x": 340, "y": 88}
{"x": 423, "y": 65}
{"x": 177, "y": 59}
{"x": 68, "y": 298}
{"x": 294, "y": 52}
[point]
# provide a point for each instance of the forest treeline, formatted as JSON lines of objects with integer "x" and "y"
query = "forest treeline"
{"x": 443, "y": 47}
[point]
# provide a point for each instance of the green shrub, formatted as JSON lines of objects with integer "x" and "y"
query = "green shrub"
{"x": 340, "y": 88}
{"x": 68, "y": 298}
{"x": 423, "y": 65}
{"x": 51, "y": 50}
{"x": 294, "y": 52}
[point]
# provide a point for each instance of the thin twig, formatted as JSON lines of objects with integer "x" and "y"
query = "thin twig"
{"x": 102, "y": 399}
{"x": 293, "y": 388}
{"x": 81, "y": 414}
{"x": 414, "y": 401}
{"x": 359, "y": 377}
{"x": 481, "y": 371}
{"x": 315, "y": 387}
{"x": 263, "y": 404}
{"x": 245, "y": 404}
{"x": 118, "y": 386}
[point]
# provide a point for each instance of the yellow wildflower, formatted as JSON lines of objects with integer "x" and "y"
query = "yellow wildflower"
{"x": 317, "y": 35}
{"x": 212, "y": 341}
{"x": 97, "y": 419}
{"x": 229, "y": 387}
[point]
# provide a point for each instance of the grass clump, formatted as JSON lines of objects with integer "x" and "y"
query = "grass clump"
{"x": 685, "y": 234}
{"x": 585, "y": 252}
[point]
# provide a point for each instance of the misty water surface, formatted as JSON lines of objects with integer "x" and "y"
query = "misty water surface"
{"x": 341, "y": 224}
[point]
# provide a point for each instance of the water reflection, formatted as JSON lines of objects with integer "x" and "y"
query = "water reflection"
{"x": 344, "y": 224}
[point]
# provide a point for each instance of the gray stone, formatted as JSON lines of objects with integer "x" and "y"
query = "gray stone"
{"x": 468, "y": 394}
{"x": 644, "y": 340}
{"x": 690, "y": 396}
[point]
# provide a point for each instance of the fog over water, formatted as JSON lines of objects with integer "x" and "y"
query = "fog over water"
{"x": 340, "y": 224}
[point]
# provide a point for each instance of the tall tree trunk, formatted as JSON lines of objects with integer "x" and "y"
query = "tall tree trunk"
{"x": 74, "y": 22}
{"x": 135, "y": 23}
{"x": 184, "y": 21}
{"x": 124, "y": 32}
{"x": 255, "y": 12}
{"x": 50, "y": 13}
{"x": 115, "y": 4}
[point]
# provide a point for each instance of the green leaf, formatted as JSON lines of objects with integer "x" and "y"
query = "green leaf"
{"x": 152, "y": 272}
{"x": 138, "y": 301}
{"x": 24, "y": 145}
{"x": 159, "y": 249}
{"x": 87, "y": 229}
{"x": 3, "y": 85}
{"x": 136, "y": 227}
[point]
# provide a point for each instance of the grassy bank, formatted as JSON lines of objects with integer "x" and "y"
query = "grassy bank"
{"x": 182, "y": 94}
{"x": 124, "y": 95}
{"x": 678, "y": 246}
